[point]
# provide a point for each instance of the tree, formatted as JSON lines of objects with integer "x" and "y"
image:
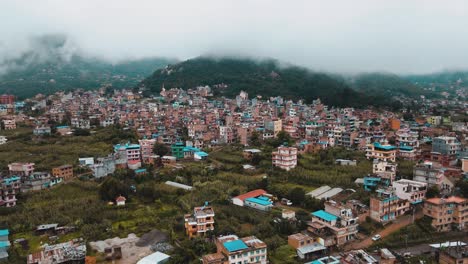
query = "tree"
{"x": 112, "y": 188}
{"x": 432, "y": 192}
{"x": 160, "y": 149}
{"x": 81, "y": 132}
{"x": 255, "y": 139}
{"x": 463, "y": 188}
{"x": 297, "y": 195}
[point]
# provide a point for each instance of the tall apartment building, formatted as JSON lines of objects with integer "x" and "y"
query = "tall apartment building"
{"x": 336, "y": 225}
{"x": 64, "y": 171}
{"x": 21, "y": 169}
{"x": 449, "y": 146}
{"x": 9, "y": 187}
{"x": 200, "y": 222}
{"x": 285, "y": 158}
{"x": 234, "y": 250}
{"x": 385, "y": 170}
{"x": 381, "y": 152}
{"x": 430, "y": 174}
{"x": 387, "y": 206}
{"x": 147, "y": 154}
{"x": 447, "y": 214}
{"x": 413, "y": 191}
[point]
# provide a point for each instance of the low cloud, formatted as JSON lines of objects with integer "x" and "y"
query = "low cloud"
{"x": 337, "y": 36}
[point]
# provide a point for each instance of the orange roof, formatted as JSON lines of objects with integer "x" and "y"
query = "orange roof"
{"x": 254, "y": 193}
{"x": 452, "y": 199}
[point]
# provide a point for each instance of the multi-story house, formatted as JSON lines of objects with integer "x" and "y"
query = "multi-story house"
{"x": 307, "y": 247}
{"x": 285, "y": 158}
{"x": 387, "y": 206}
{"x": 21, "y": 169}
{"x": 233, "y": 250}
{"x": 381, "y": 152}
{"x": 384, "y": 169}
{"x": 200, "y": 222}
{"x": 9, "y": 187}
{"x": 147, "y": 154}
{"x": 431, "y": 174}
{"x": 9, "y": 124}
{"x": 413, "y": 191}
{"x": 64, "y": 171}
{"x": 42, "y": 130}
{"x": 448, "y": 146}
{"x": 129, "y": 153}
{"x": 336, "y": 225}
{"x": 39, "y": 181}
{"x": 447, "y": 213}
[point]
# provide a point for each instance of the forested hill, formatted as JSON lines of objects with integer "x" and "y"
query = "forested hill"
{"x": 387, "y": 84}
{"x": 266, "y": 78}
{"x": 51, "y": 65}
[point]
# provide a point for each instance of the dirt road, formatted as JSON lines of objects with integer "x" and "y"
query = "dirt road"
{"x": 396, "y": 225}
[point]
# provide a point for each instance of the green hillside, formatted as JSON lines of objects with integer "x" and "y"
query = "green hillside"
{"x": 50, "y": 65}
{"x": 266, "y": 78}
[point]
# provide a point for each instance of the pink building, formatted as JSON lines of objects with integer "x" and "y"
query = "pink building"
{"x": 285, "y": 158}
{"x": 21, "y": 169}
{"x": 146, "y": 146}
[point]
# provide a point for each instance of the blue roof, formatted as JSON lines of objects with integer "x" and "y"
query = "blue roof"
{"x": 140, "y": 170}
{"x": 4, "y": 232}
{"x": 235, "y": 245}
{"x": 408, "y": 148}
{"x": 259, "y": 201}
{"x": 324, "y": 215}
{"x": 380, "y": 146}
{"x": 188, "y": 148}
{"x": 62, "y": 126}
{"x": 201, "y": 154}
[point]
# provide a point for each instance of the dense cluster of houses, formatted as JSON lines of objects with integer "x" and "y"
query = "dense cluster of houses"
{"x": 188, "y": 121}
{"x": 22, "y": 177}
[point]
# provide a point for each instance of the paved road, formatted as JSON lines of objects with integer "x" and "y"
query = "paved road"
{"x": 396, "y": 225}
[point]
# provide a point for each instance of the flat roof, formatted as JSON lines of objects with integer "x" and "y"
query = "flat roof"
{"x": 4, "y": 232}
{"x": 324, "y": 215}
{"x": 235, "y": 245}
{"x": 311, "y": 248}
{"x": 259, "y": 201}
{"x": 156, "y": 257}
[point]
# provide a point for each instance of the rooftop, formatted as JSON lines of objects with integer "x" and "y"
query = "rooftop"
{"x": 235, "y": 245}
{"x": 325, "y": 216}
{"x": 260, "y": 200}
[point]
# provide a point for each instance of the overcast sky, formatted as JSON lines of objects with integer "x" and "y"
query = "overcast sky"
{"x": 400, "y": 36}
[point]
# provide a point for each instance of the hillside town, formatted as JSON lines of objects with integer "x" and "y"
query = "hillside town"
{"x": 183, "y": 128}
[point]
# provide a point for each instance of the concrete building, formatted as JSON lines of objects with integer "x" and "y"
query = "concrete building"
{"x": 387, "y": 206}
{"x": 64, "y": 171}
{"x": 9, "y": 124}
{"x": 9, "y": 188}
{"x": 381, "y": 152}
{"x": 21, "y": 169}
{"x": 413, "y": 191}
{"x": 42, "y": 130}
{"x": 336, "y": 225}
{"x": 232, "y": 249}
{"x": 449, "y": 146}
{"x": 147, "y": 154}
{"x": 384, "y": 169}
{"x": 285, "y": 158}
{"x": 307, "y": 247}
{"x": 453, "y": 255}
{"x": 447, "y": 214}
{"x": 431, "y": 174}
{"x": 200, "y": 222}
{"x": 240, "y": 200}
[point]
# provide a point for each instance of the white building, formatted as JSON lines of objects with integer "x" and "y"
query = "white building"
{"x": 413, "y": 191}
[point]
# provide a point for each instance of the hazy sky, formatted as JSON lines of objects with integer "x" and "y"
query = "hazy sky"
{"x": 399, "y": 36}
